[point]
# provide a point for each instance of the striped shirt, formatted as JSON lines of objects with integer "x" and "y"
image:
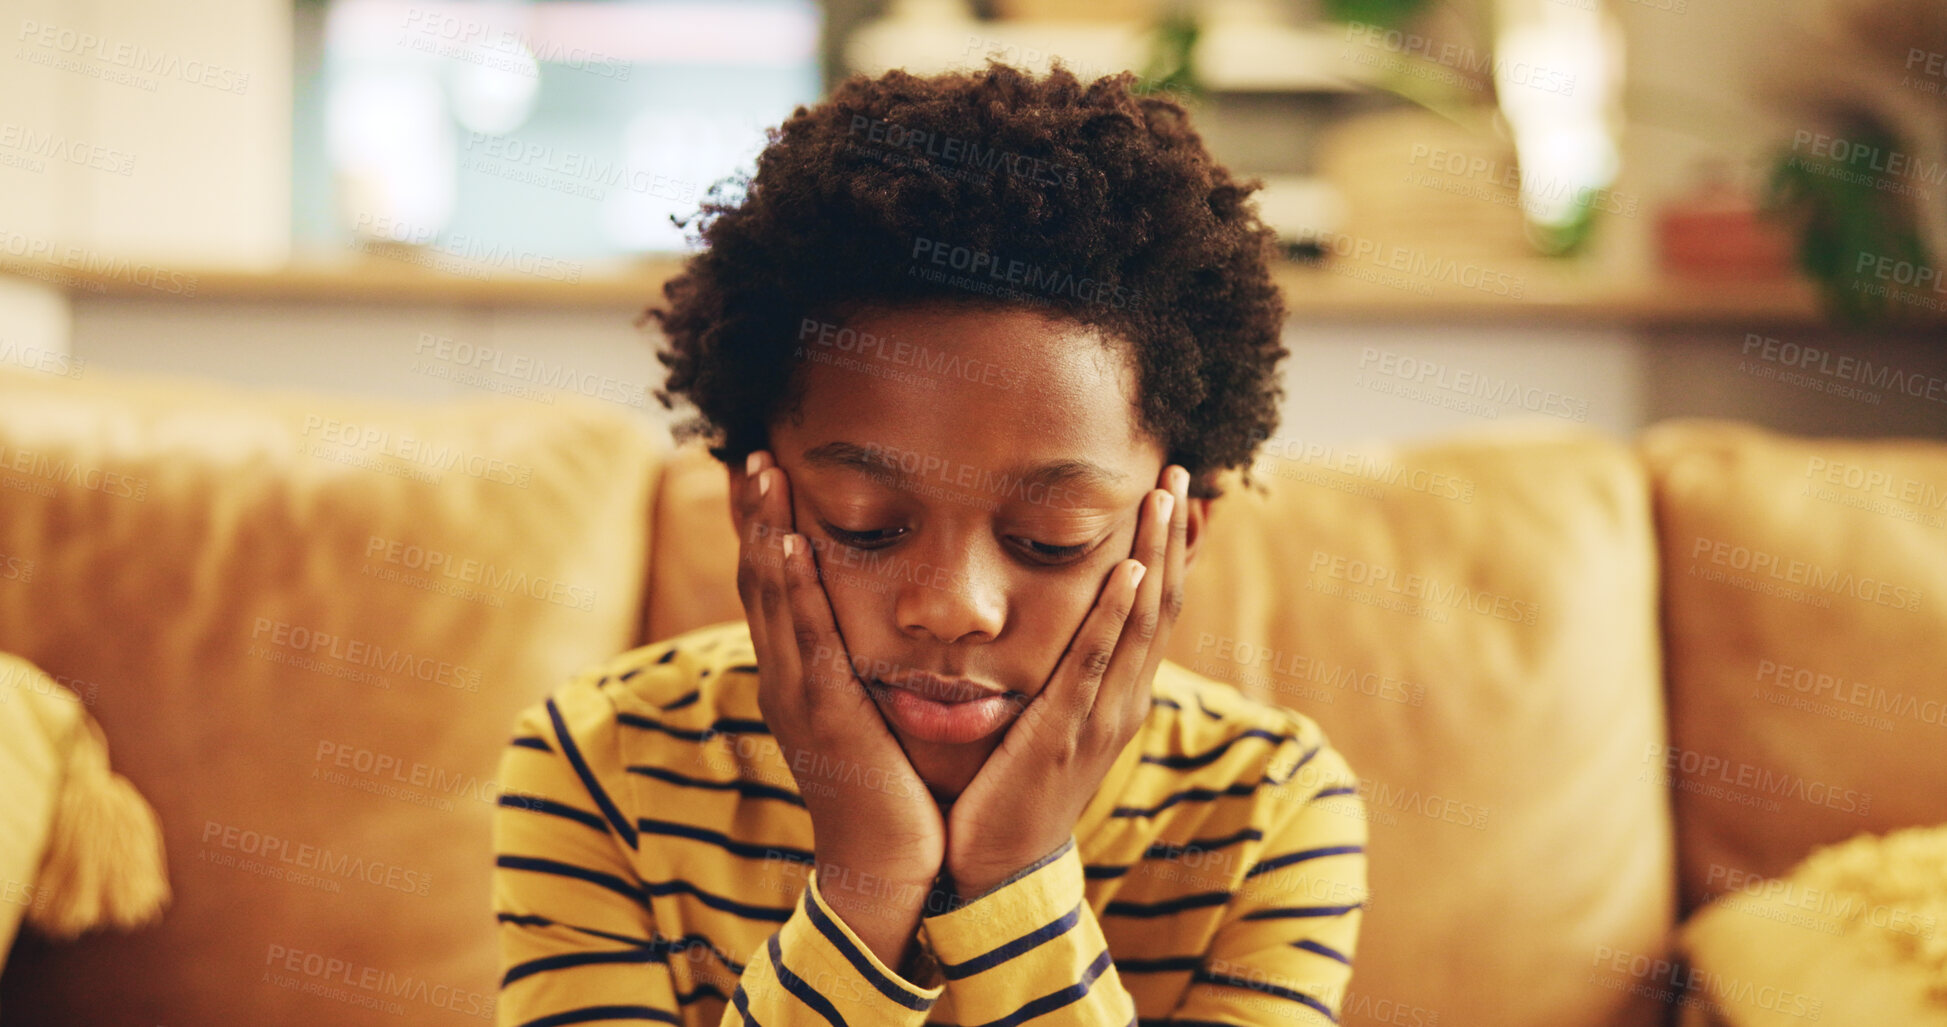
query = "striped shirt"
{"x": 653, "y": 863}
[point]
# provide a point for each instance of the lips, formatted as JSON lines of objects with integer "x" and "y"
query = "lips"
{"x": 941, "y": 689}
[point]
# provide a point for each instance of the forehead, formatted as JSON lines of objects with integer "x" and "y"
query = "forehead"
{"x": 990, "y": 388}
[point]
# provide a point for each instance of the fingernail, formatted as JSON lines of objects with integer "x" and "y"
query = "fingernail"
{"x": 790, "y": 545}
{"x": 1165, "y": 506}
{"x": 763, "y": 484}
{"x": 1181, "y": 477}
{"x": 1136, "y": 576}
{"x": 750, "y": 463}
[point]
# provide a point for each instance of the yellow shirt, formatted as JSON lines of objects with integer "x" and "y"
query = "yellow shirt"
{"x": 653, "y": 864}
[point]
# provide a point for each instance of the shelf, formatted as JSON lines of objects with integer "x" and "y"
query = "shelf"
{"x": 1350, "y": 291}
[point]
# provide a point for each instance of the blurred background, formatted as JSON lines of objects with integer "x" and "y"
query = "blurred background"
{"x": 1601, "y": 211}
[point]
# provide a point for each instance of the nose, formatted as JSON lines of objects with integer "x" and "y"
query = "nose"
{"x": 956, "y": 595}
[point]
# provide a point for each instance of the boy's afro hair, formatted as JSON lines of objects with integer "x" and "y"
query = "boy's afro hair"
{"x": 1117, "y": 216}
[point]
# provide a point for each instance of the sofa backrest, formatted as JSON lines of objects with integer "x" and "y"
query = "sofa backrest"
{"x": 306, "y": 624}
{"x": 1805, "y": 589}
{"x": 1474, "y": 623}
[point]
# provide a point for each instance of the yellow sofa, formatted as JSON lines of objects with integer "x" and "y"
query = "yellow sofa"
{"x": 1571, "y": 672}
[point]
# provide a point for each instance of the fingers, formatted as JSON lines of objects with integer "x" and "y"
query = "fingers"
{"x": 1170, "y": 590}
{"x": 821, "y": 650}
{"x": 760, "y": 568}
{"x": 1127, "y": 671}
{"x": 1078, "y": 674}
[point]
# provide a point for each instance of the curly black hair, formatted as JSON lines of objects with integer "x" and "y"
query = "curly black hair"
{"x": 1101, "y": 206}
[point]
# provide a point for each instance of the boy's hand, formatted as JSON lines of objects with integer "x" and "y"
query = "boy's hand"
{"x": 878, "y": 833}
{"x": 1024, "y": 802}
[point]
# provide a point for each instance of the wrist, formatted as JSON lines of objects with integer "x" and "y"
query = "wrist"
{"x": 973, "y": 881}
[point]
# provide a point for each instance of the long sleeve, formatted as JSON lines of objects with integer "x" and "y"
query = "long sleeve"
{"x": 1029, "y": 948}
{"x": 1033, "y": 948}
{"x": 1283, "y": 953}
{"x": 578, "y": 940}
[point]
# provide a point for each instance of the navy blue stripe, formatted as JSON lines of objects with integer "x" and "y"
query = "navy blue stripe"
{"x": 627, "y": 674}
{"x": 1185, "y": 1023}
{"x": 1187, "y": 795}
{"x": 668, "y": 655}
{"x": 560, "y": 869}
{"x": 1204, "y": 759}
{"x": 748, "y": 789}
{"x": 595, "y": 790}
{"x": 1287, "y": 912}
{"x": 1171, "y": 703}
{"x": 1329, "y": 792}
{"x": 1165, "y": 965}
{"x": 742, "y": 1003}
{"x": 518, "y": 800}
{"x": 1322, "y": 949}
{"x": 1296, "y": 767}
{"x": 1039, "y": 936}
{"x": 1265, "y": 866}
{"x": 830, "y": 929}
{"x": 1056, "y": 999}
{"x": 686, "y": 700}
{"x": 666, "y": 946}
{"x": 1198, "y": 900}
{"x": 671, "y": 829}
{"x": 1096, "y": 872}
{"x": 568, "y": 959}
{"x": 1207, "y": 711}
{"x": 588, "y": 1013}
{"x": 1267, "y": 988}
{"x": 800, "y": 987}
{"x": 532, "y": 742}
{"x": 1162, "y": 850}
{"x": 741, "y": 668}
{"x": 715, "y": 901}
{"x": 720, "y": 726}
{"x": 701, "y": 992}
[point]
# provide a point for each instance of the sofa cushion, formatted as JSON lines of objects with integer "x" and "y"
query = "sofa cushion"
{"x": 1805, "y": 595}
{"x": 38, "y": 721}
{"x": 1473, "y": 622}
{"x": 307, "y": 622}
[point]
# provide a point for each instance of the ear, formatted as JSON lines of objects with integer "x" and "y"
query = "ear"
{"x": 1199, "y": 516}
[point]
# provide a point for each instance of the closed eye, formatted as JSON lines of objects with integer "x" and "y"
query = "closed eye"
{"x": 877, "y": 538}
{"x": 1044, "y": 553}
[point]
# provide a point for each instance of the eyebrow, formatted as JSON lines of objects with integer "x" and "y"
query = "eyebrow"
{"x": 874, "y": 461}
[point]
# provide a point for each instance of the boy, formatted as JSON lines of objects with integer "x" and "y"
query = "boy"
{"x": 973, "y": 349}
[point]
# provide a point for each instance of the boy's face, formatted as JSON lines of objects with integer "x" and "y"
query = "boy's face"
{"x": 965, "y": 527}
